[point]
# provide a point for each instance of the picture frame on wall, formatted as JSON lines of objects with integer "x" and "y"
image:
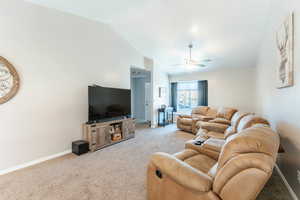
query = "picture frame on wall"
{"x": 162, "y": 92}
{"x": 9, "y": 81}
{"x": 285, "y": 45}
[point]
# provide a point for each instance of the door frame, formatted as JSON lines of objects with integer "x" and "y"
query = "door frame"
{"x": 148, "y": 113}
{"x": 134, "y": 68}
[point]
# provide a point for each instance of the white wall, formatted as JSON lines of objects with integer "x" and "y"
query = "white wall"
{"x": 281, "y": 106}
{"x": 160, "y": 79}
{"x": 57, "y": 56}
{"x": 230, "y": 87}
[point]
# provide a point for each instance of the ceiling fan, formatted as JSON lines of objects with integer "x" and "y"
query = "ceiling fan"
{"x": 190, "y": 62}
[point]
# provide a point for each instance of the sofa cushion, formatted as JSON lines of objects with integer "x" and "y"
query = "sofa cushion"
{"x": 213, "y": 127}
{"x": 229, "y": 131}
{"x": 186, "y": 121}
{"x": 197, "y": 116}
{"x": 195, "y": 159}
{"x": 236, "y": 118}
{"x": 213, "y": 134}
{"x": 221, "y": 121}
{"x": 206, "y": 118}
{"x": 212, "y": 112}
{"x": 187, "y": 153}
{"x": 201, "y": 162}
{"x": 252, "y": 140}
{"x": 249, "y": 121}
{"x": 226, "y": 113}
{"x": 201, "y": 110}
{"x": 208, "y": 152}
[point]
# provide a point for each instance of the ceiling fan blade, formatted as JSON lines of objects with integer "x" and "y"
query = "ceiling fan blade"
{"x": 190, "y": 62}
{"x": 200, "y": 65}
{"x": 200, "y": 61}
{"x": 206, "y": 60}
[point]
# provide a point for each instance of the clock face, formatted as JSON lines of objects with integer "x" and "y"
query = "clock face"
{"x": 9, "y": 81}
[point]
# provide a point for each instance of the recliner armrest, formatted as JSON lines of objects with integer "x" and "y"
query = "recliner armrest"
{"x": 214, "y": 144}
{"x": 207, "y": 118}
{"x": 215, "y": 127}
{"x": 181, "y": 172}
{"x": 221, "y": 121}
{"x": 202, "y": 150}
{"x": 185, "y": 116}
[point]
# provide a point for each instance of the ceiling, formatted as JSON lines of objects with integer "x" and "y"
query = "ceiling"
{"x": 227, "y": 31}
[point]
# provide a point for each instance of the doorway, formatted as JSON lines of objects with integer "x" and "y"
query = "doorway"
{"x": 141, "y": 95}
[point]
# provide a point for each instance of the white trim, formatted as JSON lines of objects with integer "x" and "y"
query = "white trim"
{"x": 34, "y": 162}
{"x": 293, "y": 194}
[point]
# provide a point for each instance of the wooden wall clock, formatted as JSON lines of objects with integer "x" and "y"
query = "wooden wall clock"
{"x": 9, "y": 81}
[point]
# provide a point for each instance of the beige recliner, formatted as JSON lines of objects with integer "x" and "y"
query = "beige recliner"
{"x": 187, "y": 122}
{"x": 212, "y": 143}
{"x": 240, "y": 173}
{"x": 217, "y": 129}
{"x": 204, "y": 113}
{"x": 240, "y": 121}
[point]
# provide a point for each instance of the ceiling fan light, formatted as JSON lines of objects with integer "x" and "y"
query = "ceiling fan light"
{"x": 194, "y": 29}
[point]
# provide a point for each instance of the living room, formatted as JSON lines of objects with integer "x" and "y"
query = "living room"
{"x": 216, "y": 64}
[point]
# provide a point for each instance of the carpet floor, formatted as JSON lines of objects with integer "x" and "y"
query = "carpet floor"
{"x": 114, "y": 173}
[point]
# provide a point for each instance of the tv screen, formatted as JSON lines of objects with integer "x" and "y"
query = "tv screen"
{"x": 106, "y": 103}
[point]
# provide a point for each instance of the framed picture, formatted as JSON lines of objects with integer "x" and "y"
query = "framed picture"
{"x": 285, "y": 45}
{"x": 9, "y": 81}
{"x": 162, "y": 92}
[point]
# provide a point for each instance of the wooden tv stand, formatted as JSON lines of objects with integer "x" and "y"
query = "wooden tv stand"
{"x": 104, "y": 134}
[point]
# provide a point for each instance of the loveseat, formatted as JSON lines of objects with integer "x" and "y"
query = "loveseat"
{"x": 240, "y": 172}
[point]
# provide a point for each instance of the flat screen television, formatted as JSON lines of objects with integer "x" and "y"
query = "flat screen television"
{"x": 108, "y": 103}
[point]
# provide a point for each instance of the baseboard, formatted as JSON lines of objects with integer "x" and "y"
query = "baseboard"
{"x": 34, "y": 162}
{"x": 293, "y": 194}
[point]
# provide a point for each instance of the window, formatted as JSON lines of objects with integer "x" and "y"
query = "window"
{"x": 187, "y": 95}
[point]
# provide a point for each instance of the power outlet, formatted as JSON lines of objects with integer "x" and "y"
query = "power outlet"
{"x": 298, "y": 176}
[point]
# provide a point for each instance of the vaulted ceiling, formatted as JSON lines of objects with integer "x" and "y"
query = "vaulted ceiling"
{"x": 227, "y": 31}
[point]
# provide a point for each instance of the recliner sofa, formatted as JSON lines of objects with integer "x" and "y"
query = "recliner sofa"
{"x": 240, "y": 121}
{"x": 212, "y": 143}
{"x": 217, "y": 129}
{"x": 204, "y": 113}
{"x": 240, "y": 172}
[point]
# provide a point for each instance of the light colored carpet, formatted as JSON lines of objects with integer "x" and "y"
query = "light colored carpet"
{"x": 114, "y": 173}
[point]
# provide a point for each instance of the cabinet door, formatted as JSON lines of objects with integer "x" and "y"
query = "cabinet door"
{"x": 93, "y": 139}
{"x": 131, "y": 128}
{"x": 128, "y": 128}
{"x": 125, "y": 131}
{"x": 101, "y": 136}
{"x": 107, "y": 135}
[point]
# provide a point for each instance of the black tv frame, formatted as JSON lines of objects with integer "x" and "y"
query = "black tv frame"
{"x": 91, "y": 119}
